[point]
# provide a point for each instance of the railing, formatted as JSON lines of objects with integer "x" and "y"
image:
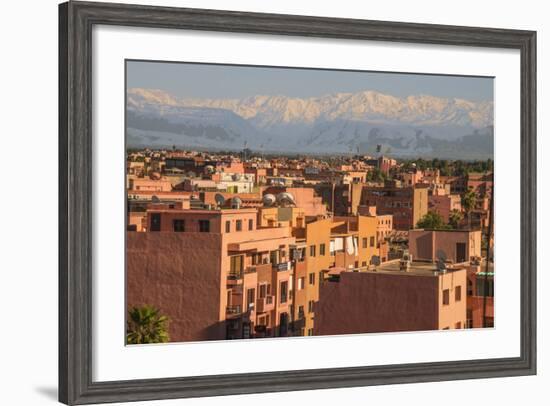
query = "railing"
{"x": 234, "y": 275}
{"x": 250, "y": 269}
{"x": 233, "y": 309}
{"x": 282, "y": 266}
{"x": 264, "y": 304}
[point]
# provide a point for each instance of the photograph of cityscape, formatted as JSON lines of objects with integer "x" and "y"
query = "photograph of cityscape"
{"x": 268, "y": 202}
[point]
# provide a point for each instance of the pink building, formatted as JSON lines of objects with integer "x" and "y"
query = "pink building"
{"x": 456, "y": 246}
{"x": 149, "y": 185}
{"x": 391, "y": 299}
{"x": 444, "y": 205}
{"x": 305, "y": 198}
{"x": 214, "y": 273}
{"x": 385, "y": 164}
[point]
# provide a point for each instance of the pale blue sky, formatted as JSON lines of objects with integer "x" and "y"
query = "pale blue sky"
{"x": 231, "y": 81}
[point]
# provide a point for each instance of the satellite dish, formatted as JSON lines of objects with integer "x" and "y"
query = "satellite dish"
{"x": 375, "y": 260}
{"x": 236, "y": 177}
{"x": 155, "y": 199}
{"x": 236, "y": 202}
{"x": 286, "y": 198}
{"x": 220, "y": 200}
{"x": 269, "y": 200}
{"x": 208, "y": 169}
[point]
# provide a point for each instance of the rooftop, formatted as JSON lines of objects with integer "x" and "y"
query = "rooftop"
{"x": 416, "y": 268}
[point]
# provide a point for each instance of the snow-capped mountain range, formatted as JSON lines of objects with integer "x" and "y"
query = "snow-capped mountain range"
{"x": 419, "y": 125}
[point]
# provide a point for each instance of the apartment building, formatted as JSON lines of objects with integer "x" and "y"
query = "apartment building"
{"x": 206, "y": 270}
{"x": 444, "y": 205}
{"x": 407, "y": 205}
{"x": 392, "y": 299}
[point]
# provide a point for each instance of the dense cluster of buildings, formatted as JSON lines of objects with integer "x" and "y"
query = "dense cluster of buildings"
{"x": 231, "y": 247}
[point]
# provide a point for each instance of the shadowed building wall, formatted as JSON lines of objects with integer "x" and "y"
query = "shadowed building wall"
{"x": 370, "y": 302}
{"x": 181, "y": 277}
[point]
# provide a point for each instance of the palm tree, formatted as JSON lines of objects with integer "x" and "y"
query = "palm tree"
{"x": 454, "y": 218}
{"x": 468, "y": 202}
{"x": 145, "y": 325}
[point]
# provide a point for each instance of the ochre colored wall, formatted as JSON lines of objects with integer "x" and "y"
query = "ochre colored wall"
{"x": 455, "y": 311}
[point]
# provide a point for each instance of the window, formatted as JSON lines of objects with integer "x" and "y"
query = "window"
{"x": 322, "y": 249}
{"x": 458, "y": 293}
{"x": 239, "y": 225}
{"x": 309, "y": 331}
{"x": 204, "y": 226}
{"x": 365, "y": 243}
{"x": 312, "y": 279}
{"x": 250, "y": 224}
{"x": 301, "y": 283}
{"x": 263, "y": 291}
{"x": 228, "y": 226}
{"x": 155, "y": 222}
{"x": 458, "y": 325}
{"x": 274, "y": 257}
{"x": 310, "y": 306}
{"x": 236, "y": 264}
{"x": 301, "y": 312}
{"x": 284, "y": 291}
{"x": 321, "y": 277}
{"x": 446, "y": 297}
{"x": 312, "y": 250}
{"x": 250, "y": 294}
{"x": 372, "y": 241}
{"x": 364, "y": 263}
{"x": 179, "y": 225}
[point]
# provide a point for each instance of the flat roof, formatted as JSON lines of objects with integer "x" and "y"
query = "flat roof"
{"x": 415, "y": 269}
{"x": 215, "y": 211}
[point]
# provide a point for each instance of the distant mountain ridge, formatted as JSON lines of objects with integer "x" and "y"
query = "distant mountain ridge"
{"x": 338, "y": 123}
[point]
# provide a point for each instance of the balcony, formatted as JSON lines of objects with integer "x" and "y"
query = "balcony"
{"x": 234, "y": 275}
{"x": 238, "y": 274}
{"x": 265, "y": 304}
{"x": 233, "y": 310}
{"x": 282, "y": 266}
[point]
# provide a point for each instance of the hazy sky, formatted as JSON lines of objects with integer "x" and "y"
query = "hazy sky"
{"x": 230, "y": 81}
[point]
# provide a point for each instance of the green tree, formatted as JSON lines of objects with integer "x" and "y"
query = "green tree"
{"x": 376, "y": 175}
{"x": 433, "y": 221}
{"x": 454, "y": 218}
{"x": 468, "y": 203}
{"x": 146, "y": 325}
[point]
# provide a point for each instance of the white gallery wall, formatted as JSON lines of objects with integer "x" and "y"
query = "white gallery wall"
{"x": 28, "y": 203}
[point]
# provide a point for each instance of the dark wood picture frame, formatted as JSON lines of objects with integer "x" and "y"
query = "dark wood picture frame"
{"x": 76, "y": 20}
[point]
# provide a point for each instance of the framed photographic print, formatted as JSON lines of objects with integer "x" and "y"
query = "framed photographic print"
{"x": 259, "y": 202}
